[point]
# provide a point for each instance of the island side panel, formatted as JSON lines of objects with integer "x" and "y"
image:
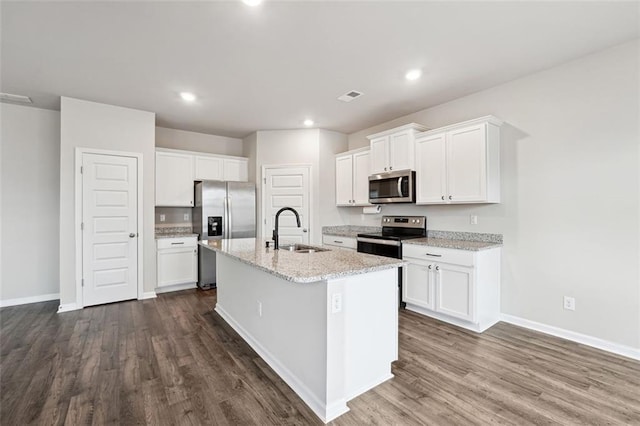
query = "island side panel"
{"x": 290, "y": 332}
{"x": 371, "y": 322}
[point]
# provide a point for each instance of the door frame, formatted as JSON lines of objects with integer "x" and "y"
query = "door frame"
{"x": 78, "y": 216}
{"x": 263, "y": 178}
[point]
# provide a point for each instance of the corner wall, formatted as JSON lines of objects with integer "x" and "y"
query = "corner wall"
{"x": 570, "y": 210}
{"x": 93, "y": 125}
{"x": 199, "y": 142}
{"x": 30, "y": 190}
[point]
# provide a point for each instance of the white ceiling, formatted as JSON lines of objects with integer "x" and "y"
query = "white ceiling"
{"x": 272, "y": 66}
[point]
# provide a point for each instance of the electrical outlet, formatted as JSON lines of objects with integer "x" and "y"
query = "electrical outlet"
{"x": 259, "y": 308}
{"x": 163, "y": 218}
{"x": 473, "y": 219}
{"x": 336, "y": 303}
{"x": 569, "y": 303}
{"x": 186, "y": 216}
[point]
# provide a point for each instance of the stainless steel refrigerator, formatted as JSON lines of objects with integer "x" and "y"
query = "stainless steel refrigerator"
{"x": 222, "y": 210}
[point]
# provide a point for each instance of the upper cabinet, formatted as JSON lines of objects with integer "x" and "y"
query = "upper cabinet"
{"x": 352, "y": 178}
{"x": 394, "y": 149}
{"x": 177, "y": 170}
{"x": 459, "y": 163}
{"x": 174, "y": 179}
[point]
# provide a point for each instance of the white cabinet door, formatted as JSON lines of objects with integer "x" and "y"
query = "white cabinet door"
{"x": 401, "y": 151}
{"x": 235, "y": 170}
{"x": 361, "y": 172}
{"x": 344, "y": 180}
{"x": 177, "y": 266}
{"x": 466, "y": 164}
{"x": 174, "y": 179}
{"x": 431, "y": 183}
{"x": 454, "y": 290}
{"x": 417, "y": 287}
{"x": 379, "y": 154}
{"x": 208, "y": 168}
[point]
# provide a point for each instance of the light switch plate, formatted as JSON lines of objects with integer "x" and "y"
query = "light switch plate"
{"x": 162, "y": 218}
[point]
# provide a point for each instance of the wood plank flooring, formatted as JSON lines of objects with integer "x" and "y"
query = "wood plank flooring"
{"x": 173, "y": 361}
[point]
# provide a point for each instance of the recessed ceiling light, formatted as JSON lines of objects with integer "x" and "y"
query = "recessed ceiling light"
{"x": 308, "y": 122}
{"x": 189, "y": 97}
{"x": 252, "y": 3}
{"x": 413, "y": 74}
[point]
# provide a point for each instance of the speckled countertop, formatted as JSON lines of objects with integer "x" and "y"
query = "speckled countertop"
{"x": 349, "y": 231}
{"x": 174, "y": 232}
{"x": 301, "y": 267}
{"x": 452, "y": 244}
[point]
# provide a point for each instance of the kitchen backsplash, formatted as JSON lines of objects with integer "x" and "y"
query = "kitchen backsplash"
{"x": 173, "y": 216}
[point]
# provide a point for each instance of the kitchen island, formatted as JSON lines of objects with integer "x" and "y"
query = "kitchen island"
{"x": 326, "y": 322}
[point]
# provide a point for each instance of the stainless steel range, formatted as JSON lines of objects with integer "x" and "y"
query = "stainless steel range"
{"x": 388, "y": 243}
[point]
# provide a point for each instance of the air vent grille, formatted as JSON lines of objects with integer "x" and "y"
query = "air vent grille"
{"x": 15, "y": 98}
{"x": 349, "y": 96}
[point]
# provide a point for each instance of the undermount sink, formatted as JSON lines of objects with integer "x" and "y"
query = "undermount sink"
{"x": 302, "y": 248}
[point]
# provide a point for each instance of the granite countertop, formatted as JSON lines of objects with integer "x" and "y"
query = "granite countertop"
{"x": 349, "y": 231}
{"x": 452, "y": 244}
{"x": 176, "y": 235}
{"x": 301, "y": 267}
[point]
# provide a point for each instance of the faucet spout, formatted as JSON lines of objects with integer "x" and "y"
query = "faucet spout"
{"x": 276, "y": 244}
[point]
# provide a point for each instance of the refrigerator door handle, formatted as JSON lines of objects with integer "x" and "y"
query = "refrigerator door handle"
{"x": 229, "y": 224}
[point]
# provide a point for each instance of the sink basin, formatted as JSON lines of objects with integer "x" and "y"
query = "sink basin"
{"x": 302, "y": 248}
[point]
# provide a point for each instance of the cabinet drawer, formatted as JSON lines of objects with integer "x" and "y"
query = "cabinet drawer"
{"x": 437, "y": 254}
{"x": 165, "y": 243}
{"x": 346, "y": 242}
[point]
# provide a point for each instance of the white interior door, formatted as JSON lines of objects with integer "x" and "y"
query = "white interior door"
{"x": 285, "y": 186}
{"x": 110, "y": 228}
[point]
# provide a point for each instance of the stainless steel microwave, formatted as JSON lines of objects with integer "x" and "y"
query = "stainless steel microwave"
{"x": 393, "y": 187}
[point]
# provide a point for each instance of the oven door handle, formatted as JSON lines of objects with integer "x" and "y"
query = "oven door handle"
{"x": 381, "y": 242}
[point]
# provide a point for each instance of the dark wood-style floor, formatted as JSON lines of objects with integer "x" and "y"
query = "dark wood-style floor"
{"x": 173, "y": 361}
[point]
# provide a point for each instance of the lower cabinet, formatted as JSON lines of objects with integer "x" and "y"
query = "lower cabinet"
{"x": 345, "y": 242}
{"x": 177, "y": 260}
{"x": 457, "y": 286}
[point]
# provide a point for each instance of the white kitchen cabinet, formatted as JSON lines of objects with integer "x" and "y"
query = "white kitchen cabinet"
{"x": 459, "y": 163}
{"x": 456, "y": 286}
{"x": 352, "y": 178}
{"x": 208, "y": 167}
{"x": 174, "y": 179}
{"x": 177, "y": 261}
{"x": 344, "y": 242}
{"x": 235, "y": 169}
{"x": 394, "y": 149}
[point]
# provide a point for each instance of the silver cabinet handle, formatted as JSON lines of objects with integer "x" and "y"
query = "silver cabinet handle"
{"x": 338, "y": 241}
{"x": 443, "y": 197}
{"x": 132, "y": 235}
{"x": 304, "y": 230}
{"x": 433, "y": 255}
{"x": 430, "y": 266}
{"x": 177, "y": 244}
{"x": 437, "y": 268}
{"x": 385, "y": 169}
{"x": 450, "y": 197}
{"x": 390, "y": 168}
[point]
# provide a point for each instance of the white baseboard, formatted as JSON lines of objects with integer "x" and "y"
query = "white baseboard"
{"x": 32, "y": 299}
{"x": 605, "y": 345}
{"x": 326, "y": 412}
{"x": 68, "y": 307}
{"x": 175, "y": 287}
{"x": 148, "y": 295}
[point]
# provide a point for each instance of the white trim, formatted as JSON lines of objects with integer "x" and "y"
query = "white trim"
{"x": 326, "y": 413}
{"x": 79, "y": 151}
{"x": 175, "y": 287}
{"x": 309, "y": 167}
{"x": 31, "y": 299}
{"x": 200, "y": 154}
{"x": 411, "y": 126}
{"x": 469, "y": 325}
{"x": 68, "y": 307}
{"x": 595, "y": 342}
{"x": 148, "y": 295}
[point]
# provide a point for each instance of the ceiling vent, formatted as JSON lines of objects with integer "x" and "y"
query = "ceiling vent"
{"x": 349, "y": 96}
{"x": 15, "y": 98}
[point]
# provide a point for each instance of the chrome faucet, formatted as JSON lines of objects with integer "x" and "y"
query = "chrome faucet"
{"x": 276, "y": 246}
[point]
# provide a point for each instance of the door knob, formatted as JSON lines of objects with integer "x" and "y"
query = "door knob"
{"x": 132, "y": 235}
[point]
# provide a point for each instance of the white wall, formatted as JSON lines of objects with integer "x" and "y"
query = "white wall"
{"x": 30, "y": 185}
{"x": 570, "y": 189}
{"x": 93, "y": 125}
{"x": 308, "y": 146}
{"x": 200, "y": 142}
